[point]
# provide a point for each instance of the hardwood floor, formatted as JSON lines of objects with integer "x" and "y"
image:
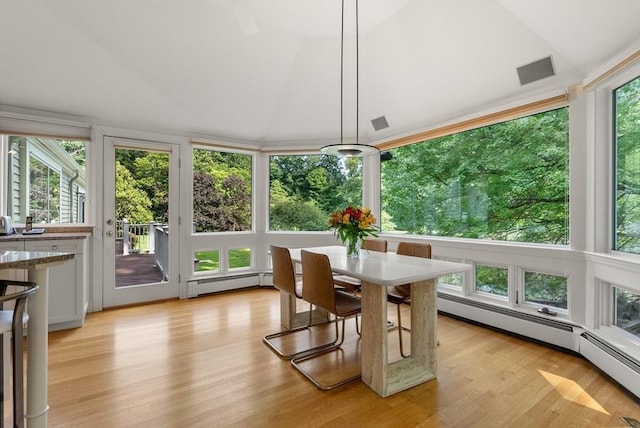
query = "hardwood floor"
{"x": 202, "y": 363}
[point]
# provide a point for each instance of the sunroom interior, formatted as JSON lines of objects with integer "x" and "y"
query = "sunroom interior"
{"x": 257, "y": 85}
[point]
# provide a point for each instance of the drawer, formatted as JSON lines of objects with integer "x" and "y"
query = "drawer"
{"x": 67, "y": 246}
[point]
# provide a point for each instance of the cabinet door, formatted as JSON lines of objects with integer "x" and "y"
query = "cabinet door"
{"x": 65, "y": 281}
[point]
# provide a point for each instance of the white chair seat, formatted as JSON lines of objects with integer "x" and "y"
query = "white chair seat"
{"x": 6, "y": 318}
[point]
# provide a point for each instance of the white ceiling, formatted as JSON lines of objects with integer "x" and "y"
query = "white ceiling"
{"x": 268, "y": 71}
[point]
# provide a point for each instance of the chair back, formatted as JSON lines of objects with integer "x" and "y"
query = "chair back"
{"x": 284, "y": 275}
{"x": 20, "y": 298}
{"x": 317, "y": 280}
{"x": 414, "y": 249}
{"x": 374, "y": 245}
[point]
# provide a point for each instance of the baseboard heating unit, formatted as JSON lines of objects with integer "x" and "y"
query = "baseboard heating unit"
{"x": 197, "y": 287}
{"x": 622, "y": 367}
{"x": 544, "y": 329}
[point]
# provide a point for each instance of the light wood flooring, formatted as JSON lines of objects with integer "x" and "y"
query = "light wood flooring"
{"x": 202, "y": 363}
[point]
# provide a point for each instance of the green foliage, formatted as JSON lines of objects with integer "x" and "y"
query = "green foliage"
{"x": 505, "y": 182}
{"x": 209, "y": 260}
{"x": 548, "y": 290}
{"x": 221, "y": 191}
{"x": 492, "y": 279}
{"x": 315, "y": 186}
{"x": 132, "y": 202}
{"x": 297, "y": 216}
{"x": 76, "y": 150}
{"x": 220, "y": 208}
{"x": 151, "y": 173}
{"x": 627, "y": 105}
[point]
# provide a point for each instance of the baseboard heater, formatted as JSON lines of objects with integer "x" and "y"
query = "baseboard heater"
{"x": 227, "y": 278}
{"x": 221, "y": 283}
{"x": 543, "y": 329}
{"x": 620, "y": 356}
{"x": 508, "y": 312}
{"x": 621, "y": 366}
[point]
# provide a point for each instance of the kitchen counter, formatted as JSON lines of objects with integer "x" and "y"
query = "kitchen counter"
{"x": 43, "y": 236}
{"x": 27, "y": 259}
{"x": 51, "y": 233}
{"x": 38, "y": 264}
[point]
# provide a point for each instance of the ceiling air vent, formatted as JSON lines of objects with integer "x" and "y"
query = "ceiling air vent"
{"x": 536, "y": 70}
{"x": 380, "y": 123}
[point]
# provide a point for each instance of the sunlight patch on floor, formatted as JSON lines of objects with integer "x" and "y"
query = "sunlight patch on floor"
{"x": 571, "y": 391}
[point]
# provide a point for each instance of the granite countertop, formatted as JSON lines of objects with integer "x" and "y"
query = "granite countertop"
{"x": 25, "y": 259}
{"x": 50, "y": 233}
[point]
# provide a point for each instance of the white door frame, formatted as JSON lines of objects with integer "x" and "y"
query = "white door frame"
{"x": 113, "y": 296}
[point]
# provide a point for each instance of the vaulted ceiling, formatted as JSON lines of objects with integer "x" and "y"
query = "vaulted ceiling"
{"x": 268, "y": 71}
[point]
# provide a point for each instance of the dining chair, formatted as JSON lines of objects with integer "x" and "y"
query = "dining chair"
{"x": 12, "y": 321}
{"x": 402, "y": 293}
{"x": 353, "y": 284}
{"x": 284, "y": 279}
{"x": 318, "y": 289}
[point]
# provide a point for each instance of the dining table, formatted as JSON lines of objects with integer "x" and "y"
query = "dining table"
{"x": 377, "y": 271}
{"x": 37, "y": 264}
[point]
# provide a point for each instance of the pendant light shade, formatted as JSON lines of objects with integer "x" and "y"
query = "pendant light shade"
{"x": 342, "y": 149}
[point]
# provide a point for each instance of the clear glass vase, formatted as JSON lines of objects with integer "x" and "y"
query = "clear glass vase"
{"x": 353, "y": 247}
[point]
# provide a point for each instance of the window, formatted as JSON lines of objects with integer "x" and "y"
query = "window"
{"x": 221, "y": 191}
{"x": 627, "y": 311}
{"x": 546, "y": 290}
{"x": 507, "y": 181}
{"x": 627, "y": 167}
{"x": 46, "y": 179}
{"x": 206, "y": 261}
{"x": 492, "y": 280}
{"x": 455, "y": 280}
{"x": 239, "y": 258}
{"x": 305, "y": 189}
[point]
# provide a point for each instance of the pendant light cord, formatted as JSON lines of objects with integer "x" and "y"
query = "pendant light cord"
{"x": 357, "y": 77}
{"x": 342, "y": 76}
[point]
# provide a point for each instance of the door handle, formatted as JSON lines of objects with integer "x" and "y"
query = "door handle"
{"x": 109, "y": 233}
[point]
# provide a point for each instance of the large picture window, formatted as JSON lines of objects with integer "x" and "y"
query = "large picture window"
{"x": 627, "y": 167}
{"x": 305, "y": 189}
{"x": 221, "y": 191}
{"x": 507, "y": 181}
{"x": 46, "y": 179}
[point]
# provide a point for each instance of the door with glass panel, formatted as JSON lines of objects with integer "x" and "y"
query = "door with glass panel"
{"x": 140, "y": 222}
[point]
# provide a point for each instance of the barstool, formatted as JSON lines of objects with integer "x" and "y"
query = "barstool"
{"x": 12, "y": 321}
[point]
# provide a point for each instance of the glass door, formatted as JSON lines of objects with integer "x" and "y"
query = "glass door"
{"x": 141, "y": 233}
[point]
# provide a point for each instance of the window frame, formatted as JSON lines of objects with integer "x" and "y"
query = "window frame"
{"x": 617, "y": 83}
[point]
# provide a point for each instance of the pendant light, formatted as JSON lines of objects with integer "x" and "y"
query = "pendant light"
{"x": 342, "y": 149}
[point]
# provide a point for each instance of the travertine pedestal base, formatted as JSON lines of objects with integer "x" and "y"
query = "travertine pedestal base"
{"x": 384, "y": 378}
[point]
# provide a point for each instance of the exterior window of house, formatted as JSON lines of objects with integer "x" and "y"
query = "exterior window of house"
{"x": 507, "y": 181}
{"x": 626, "y": 100}
{"x": 545, "y": 289}
{"x": 44, "y": 192}
{"x": 626, "y": 310}
{"x": 221, "y": 191}
{"x": 46, "y": 179}
{"x": 305, "y": 189}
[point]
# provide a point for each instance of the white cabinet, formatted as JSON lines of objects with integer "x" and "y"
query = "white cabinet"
{"x": 66, "y": 282}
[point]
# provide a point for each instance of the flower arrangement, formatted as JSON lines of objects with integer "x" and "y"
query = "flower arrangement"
{"x": 352, "y": 225}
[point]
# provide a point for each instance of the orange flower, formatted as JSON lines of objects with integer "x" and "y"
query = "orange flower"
{"x": 353, "y": 223}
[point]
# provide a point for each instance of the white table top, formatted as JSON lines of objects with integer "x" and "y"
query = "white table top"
{"x": 385, "y": 269}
